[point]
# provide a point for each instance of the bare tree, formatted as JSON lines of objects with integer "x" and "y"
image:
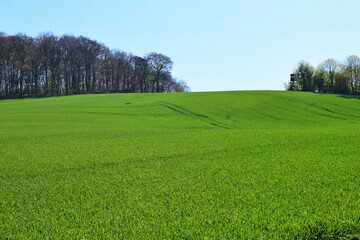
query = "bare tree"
{"x": 330, "y": 68}
{"x": 49, "y": 65}
{"x": 141, "y": 72}
{"x": 159, "y": 64}
{"x": 352, "y": 70}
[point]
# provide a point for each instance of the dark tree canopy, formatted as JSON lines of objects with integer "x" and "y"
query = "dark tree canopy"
{"x": 48, "y": 65}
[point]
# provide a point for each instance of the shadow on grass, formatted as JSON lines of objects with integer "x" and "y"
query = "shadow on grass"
{"x": 26, "y": 97}
{"x": 350, "y": 96}
{"x": 33, "y": 97}
{"x": 53, "y": 96}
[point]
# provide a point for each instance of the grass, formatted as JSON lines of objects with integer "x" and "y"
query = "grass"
{"x": 220, "y": 165}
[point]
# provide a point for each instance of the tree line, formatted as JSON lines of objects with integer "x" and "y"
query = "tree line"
{"x": 48, "y": 65}
{"x": 330, "y": 76}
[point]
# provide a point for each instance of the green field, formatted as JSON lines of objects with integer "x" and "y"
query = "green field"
{"x": 217, "y": 165}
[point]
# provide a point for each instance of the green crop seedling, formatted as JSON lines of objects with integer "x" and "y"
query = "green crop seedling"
{"x": 216, "y": 165}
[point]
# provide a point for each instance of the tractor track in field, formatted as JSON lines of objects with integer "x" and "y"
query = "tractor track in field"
{"x": 188, "y": 113}
{"x": 327, "y": 112}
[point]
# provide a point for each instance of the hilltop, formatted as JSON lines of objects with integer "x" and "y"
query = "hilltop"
{"x": 228, "y": 110}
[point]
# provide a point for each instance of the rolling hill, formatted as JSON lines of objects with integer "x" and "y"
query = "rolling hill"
{"x": 241, "y": 165}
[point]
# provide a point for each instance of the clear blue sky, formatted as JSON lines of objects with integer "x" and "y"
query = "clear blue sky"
{"x": 215, "y": 44}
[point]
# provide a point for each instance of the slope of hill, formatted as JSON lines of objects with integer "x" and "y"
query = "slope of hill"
{"x": 251, "y": 164}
